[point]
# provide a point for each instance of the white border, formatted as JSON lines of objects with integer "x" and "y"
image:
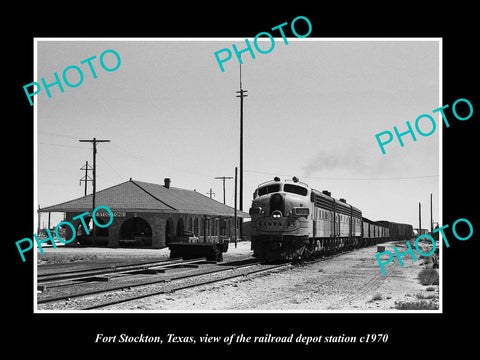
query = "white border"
{"x": 337, "y": 39}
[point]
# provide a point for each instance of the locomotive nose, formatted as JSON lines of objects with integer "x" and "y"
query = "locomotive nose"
{"x": 277, "y": 204}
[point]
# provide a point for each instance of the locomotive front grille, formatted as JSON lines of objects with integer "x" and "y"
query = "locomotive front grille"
{"x": 277, "y": 203}
{"x": 277, "y": 226}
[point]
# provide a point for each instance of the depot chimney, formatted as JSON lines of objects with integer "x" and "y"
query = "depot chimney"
{"x": 166, "y": 183}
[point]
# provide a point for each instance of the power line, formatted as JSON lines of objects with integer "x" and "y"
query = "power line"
{"x": 130, "y": 154}
{"x": 344, "y": 178}
{"x": 111, "y": 167}
{"x": 138, "y": 157}
{"x": 52, "y": 144}
{"x": 57, "y": 134}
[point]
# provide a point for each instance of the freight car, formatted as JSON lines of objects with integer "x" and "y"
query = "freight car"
{"x": 290, "y": 220}
{"x": 374, "y": 232}
{"x": 398, "y": 231}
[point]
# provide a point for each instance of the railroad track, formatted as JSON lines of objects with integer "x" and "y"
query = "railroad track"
{"x": 156, "y": 286}
{"x": 168, "y": 284}
{"x": 265, "y": 267}
{"x": 73, "y": 274}
{"x": 78, "y": 277}
{"x": 73, "y": 284}
{"x": 198, "y": 283}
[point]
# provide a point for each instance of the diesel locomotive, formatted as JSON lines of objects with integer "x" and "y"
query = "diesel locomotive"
{"x": 290, "y": 221}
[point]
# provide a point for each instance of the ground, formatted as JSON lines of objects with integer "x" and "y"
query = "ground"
{"x": 346, "y": 282}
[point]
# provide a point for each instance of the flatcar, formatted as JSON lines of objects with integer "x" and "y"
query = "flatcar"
{"x": 291, "y": 220}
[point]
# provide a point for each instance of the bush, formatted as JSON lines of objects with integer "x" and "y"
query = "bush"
{"x": 376, "y": 297}
{"x": 425, "y": 296}
{"x": 428, "y": 277}
{"x": 417, "y": 305}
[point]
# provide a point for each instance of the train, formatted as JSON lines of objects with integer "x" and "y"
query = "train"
{"x": 290, "y": 220}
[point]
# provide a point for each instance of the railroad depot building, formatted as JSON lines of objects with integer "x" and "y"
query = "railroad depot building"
{"x": 149, "y": 215}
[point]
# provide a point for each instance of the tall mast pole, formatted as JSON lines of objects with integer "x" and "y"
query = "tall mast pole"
{"x": 419, "y": 219}
{"x": 235, "y": 211}
{"x": 431, "y": 214}
{"x": 223, "y": 178}
{"x": 94, "y": 142}
{"x": 241, "y": 96}
{"x": 86, "y": 178}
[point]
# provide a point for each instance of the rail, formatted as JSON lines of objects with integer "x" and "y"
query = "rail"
{"x": 219, "y": 268}
{"x": 188, "y": 286}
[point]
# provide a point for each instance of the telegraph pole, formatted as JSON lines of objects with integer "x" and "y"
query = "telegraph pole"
{"x": 235, "y": 215}
{"x": 38, "y": 219}
{"x": 431, "y": 214}
{"x": 241, "y": 96}
{"x": 210, "y": 193}
{"x": 86, "y": 178}
{"x": 224, "y": 178}
{"x": 419, "y": 219}
{"x": 94, "y": 142}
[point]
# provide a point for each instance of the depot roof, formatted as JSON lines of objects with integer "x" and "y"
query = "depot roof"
{"x": 139, "y": 196}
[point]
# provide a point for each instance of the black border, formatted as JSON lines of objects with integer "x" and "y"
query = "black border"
{"x": 408, "y": 333}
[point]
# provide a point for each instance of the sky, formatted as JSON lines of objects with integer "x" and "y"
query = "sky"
{"x": 313, "y": 109}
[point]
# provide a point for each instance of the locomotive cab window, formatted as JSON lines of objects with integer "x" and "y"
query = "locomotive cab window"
{"x": 295, "y": 189}
{"x": 268, "y": 189}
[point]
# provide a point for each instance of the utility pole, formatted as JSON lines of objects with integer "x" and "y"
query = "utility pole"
{"x": 235, "y": 216}
{"x": 224, "y": 178}
{"x": 419, "y": 219}
{"x": 86, "y": 178}
{"x": 210, "y": 193}
{"x": 431, "y": 214}
{"x": 94, "y": 142}
{"x": 241, "y": 96}
{"x": 38, "y": 219}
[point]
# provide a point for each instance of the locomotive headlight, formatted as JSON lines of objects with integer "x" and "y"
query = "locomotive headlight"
{"x": 301, "y": 211}
{"x": 255, "y": 210}
{"x": 277, "y": 214}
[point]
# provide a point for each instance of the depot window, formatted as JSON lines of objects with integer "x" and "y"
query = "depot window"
{"x": 295, "y": 189}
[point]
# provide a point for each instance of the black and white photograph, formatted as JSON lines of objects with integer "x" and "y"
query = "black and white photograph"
{"x": 208, "y": 182}
{"x": 164, "y": 137}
